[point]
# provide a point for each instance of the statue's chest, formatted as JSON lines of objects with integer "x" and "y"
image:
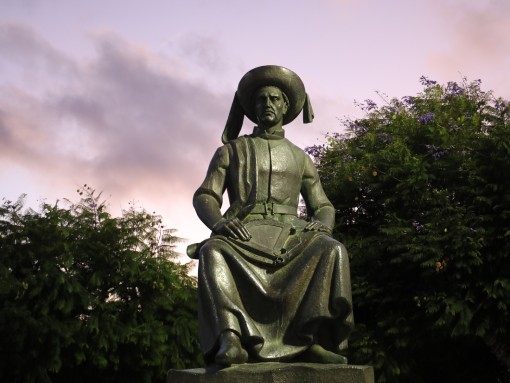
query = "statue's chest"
{"x": 277, "y": 167}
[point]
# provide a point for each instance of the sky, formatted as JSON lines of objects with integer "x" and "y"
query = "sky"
{"x": 131, "y": 97}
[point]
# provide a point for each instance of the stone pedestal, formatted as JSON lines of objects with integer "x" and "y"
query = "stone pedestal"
{"x": 276, "y": 373}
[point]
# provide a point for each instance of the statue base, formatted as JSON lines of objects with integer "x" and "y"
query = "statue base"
{"x": 271, "y": 372}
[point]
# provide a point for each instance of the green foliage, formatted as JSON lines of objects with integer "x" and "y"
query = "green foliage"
{"x": 423, "y": 205}
{"x": 85, "y": 296}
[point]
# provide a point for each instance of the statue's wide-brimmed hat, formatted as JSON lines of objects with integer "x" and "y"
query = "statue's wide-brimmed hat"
{"x": 272, "y": 75}
{"x": 268, "y": 75}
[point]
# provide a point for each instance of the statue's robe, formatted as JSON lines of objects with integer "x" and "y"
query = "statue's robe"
{"x": 287, "y": 287}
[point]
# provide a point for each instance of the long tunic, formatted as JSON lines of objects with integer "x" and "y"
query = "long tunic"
{"x": 287, "y": 287}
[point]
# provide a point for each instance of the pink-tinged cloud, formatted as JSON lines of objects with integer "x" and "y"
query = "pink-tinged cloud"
{"x": 478, "y": 41}
{"x": 28, "y": 51}
{"x": 128, "y": 121}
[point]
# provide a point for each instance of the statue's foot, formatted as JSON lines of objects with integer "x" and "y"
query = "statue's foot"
{"x": 231, "y": 351}
{"x": 317, "y": 354}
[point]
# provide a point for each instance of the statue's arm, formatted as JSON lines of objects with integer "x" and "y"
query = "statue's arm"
{"x": 208, "y": 209}
{"x": 208, "y": 199}
{"x": 320, "y": 209}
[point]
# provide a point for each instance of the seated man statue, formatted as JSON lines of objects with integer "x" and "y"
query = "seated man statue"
{"x": 272, "y": 286}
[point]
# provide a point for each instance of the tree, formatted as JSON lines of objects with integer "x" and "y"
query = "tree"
{"x": 85, "y": 296}
{"x": 423, "y": 205}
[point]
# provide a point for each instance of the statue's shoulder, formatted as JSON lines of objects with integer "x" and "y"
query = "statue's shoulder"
{"x": 229, "y": 146}
{"x": 297, "y": 151}
{"x": 238, "y": 143}
{"x": 294, "y": 146}
{"x": 238, "y": 147}
{"x": 222, "y": 155}
{"x": 240, "y": 140}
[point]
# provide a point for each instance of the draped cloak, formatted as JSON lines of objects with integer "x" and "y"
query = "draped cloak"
{"x": 287, "y": 288}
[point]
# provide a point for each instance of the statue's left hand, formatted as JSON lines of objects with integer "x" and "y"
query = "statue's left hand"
{"x": 317, "y": 226}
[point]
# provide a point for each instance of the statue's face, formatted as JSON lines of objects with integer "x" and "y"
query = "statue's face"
{"x": 270, "y": 106}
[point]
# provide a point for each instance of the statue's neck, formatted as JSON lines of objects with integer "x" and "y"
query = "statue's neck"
{"x": 275, "y": 132}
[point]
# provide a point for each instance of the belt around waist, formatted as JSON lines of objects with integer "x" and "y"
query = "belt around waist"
{"x": 273, "y": 208}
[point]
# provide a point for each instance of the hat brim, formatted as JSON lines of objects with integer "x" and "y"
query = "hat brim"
{"x": 272, "y": 75}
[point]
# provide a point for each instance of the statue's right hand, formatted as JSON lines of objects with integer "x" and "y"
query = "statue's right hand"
{"x": 232, "y": 228}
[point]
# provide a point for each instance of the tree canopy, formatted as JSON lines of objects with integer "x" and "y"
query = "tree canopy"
{"x": 85, "y": 296}
{"x": 421, "y": 190}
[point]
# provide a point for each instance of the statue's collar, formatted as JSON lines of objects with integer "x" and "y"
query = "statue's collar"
{"x": 276, "y": 134}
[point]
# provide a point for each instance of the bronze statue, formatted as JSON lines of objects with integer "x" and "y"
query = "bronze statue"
{"x": 272, "y": 286}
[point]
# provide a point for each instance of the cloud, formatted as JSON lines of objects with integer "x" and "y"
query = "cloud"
{"x": 481, "y": 31}
{"x": 205, "y": 50}
{"x": 29, "y": 53}
{"x": 477, "y": 43}
{"x": 127, "y": 121}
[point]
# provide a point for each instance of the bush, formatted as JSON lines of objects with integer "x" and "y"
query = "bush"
{"x": 423, "y": 206}
{"x": 85, "y": 296}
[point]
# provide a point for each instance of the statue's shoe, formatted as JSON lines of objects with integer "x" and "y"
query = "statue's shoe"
{"x": 231, "y": 351}
{"x": 317, "y": 354}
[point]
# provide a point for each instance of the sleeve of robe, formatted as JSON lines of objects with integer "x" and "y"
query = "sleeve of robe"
{"x": 317, "y": 203}
{"x": 215, "y": 180}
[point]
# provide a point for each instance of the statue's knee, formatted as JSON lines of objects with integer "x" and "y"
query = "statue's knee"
{"x": 210, "y": 252}
{"x": 342, "y": 251}
{"x": 342, "y": 255}
{"x": 336, "y": 250}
